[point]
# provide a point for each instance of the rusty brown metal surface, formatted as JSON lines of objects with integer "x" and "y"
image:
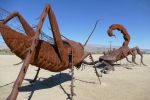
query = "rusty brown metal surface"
{"x": 53, "y": 57}
{"x": 117, "y": 54}
{"x": 46, "y": 55}
{"x": 120, "y": 28}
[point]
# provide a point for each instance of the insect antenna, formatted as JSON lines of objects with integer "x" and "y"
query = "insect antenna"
{"x": 91, "y": 33}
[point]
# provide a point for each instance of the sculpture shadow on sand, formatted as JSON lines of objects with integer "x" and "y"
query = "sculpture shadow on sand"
{"x": 45, "y": 83}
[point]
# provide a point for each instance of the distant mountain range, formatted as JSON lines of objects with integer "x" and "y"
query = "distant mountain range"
{"x": 101, "y": 48}
{"x": 146, "y": 50}
{"x": 89, "y": 48}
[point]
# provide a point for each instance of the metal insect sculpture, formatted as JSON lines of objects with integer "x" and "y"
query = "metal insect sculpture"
{"x": 117, "y": 54}
{"x": 63, "y": 54}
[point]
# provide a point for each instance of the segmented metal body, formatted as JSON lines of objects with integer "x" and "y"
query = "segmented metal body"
{"x": 46, "y": 55}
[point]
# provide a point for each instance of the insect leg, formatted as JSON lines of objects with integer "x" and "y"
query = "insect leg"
{"x": 36, "y": 76}
{"x": 19, "y": 80}
{"x": 72, "y": 76}
{"x": 94, "y": 66}
{"x": 29, "y": 31}
{"x": 55, "y": 31}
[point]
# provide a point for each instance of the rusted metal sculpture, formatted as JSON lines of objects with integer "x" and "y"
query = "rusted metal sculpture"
{"x": 117, "y": 54}
{"x": 63, "y": 54}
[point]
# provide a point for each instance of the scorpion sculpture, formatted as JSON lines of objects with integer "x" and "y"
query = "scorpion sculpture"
{"x": 117, "y": 54}
{"x": 64, "y": 54}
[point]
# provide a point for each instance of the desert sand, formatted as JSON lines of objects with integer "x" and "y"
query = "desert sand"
{"x": 127, "y": 82}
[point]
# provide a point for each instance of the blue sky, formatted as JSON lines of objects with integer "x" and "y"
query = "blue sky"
{"x": 76, "y": 18}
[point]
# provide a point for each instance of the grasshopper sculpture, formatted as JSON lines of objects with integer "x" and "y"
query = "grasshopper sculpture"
{"x": 62, "y": 55}
{"x": 117, "y": 54}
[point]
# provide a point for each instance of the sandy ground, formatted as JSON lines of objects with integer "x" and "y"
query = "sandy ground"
{"x": 127, "y": 82}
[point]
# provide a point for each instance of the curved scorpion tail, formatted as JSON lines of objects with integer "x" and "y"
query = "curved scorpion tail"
{"x": 136, "y": 50}
{"x": 121, "y": 28}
